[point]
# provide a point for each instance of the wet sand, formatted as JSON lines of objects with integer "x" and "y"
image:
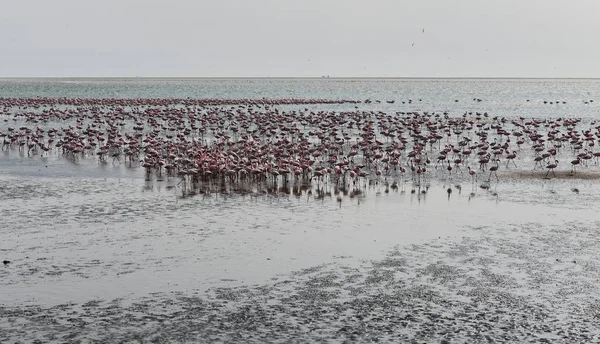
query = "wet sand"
{"x": 508, "y": 283}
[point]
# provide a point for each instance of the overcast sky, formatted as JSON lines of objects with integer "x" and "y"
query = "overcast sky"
{"x": 462, "y": 38}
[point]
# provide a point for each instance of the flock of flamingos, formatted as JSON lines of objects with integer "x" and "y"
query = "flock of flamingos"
{"x": 241, "y": 145}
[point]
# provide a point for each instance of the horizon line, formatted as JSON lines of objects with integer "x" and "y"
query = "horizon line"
{"x": 291, "y": 78}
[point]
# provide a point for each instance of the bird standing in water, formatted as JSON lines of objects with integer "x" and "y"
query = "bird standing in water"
{"x": 494, "y": 170}
{"x": 551, "y": 167}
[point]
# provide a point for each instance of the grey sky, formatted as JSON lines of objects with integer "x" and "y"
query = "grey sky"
{"x": 520, "y": 38}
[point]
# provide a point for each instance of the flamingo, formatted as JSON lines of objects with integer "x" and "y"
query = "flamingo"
{"x": 473, "y": 174}
{"x": 574, "y": 163}
{"x": 494, "y": 170}
{"x": 511, "y": 157}
{"x": 551, "y": 167}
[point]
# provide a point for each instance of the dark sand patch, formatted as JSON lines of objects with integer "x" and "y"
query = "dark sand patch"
{"x": 525, "y": 175}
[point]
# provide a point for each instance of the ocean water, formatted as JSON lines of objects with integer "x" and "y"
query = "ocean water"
{"x": 99, "y": 252}
{"x": 502, "y": 97}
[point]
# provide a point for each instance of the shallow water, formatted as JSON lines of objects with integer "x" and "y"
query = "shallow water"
{"x": 111, "y": 235}
{"x": 98, "y": 253}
